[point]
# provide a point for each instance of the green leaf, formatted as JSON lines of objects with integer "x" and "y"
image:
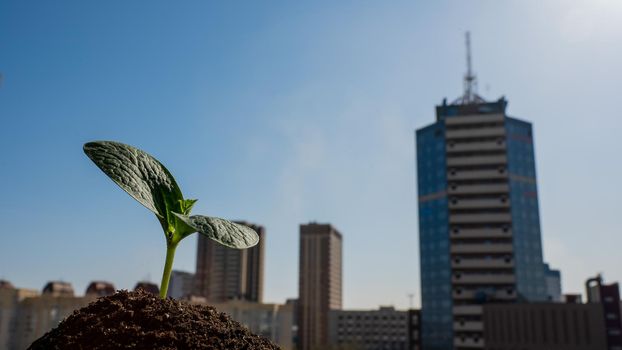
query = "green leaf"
{"x": 186, "y": 205}
{"x": 222, "y": 231}
{"x": 139, "y": 174}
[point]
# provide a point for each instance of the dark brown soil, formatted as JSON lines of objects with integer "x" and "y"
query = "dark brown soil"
{"x": 139, "y": 320}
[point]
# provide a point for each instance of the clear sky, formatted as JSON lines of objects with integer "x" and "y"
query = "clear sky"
{"x": 282, "y": 113}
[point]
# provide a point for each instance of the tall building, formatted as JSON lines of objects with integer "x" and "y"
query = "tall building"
{"x": 223, "y": 273}
{"x": 320, "y": 280}
{"x": 479, "y": 225}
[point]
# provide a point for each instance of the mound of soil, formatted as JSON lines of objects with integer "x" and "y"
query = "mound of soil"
{"x": 140, "y": 320}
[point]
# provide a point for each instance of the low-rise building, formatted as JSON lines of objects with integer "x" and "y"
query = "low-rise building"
{"x": 541, "y": 326}
{"x": 385, "y": 328}
{"x": 10, "y": 299}
{"x": 148, "y": 287}
{"x": 181, "y": 285}
{"x": 273, "y": 321}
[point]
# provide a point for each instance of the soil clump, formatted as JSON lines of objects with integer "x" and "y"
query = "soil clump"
{"x": 140, "y": 320}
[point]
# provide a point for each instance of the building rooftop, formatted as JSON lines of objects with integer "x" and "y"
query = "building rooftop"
{"x": 148, "y": 287}
{"x": 100, "y": 288}
{"x": 4, "y": 284}
{"x": 58, "y": 289}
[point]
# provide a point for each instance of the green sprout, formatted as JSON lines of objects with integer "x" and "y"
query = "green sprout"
{"x": 145, "y": 179}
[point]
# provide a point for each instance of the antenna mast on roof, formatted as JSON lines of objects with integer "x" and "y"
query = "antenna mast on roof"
{"x": 470, "y": 80}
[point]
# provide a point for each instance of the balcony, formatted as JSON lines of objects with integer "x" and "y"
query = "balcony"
{"x": 475, "y": 133}
{"x": 481, "y": 248}
{"x": 498, "y": 159}
{"x": 471, "y": 343}
{"x": 482, "y": 263}
{"x": 454, "y": 147}
{"x": 479, "y": 189}
{"x": 462, "y": 174}
{"x": 482, "y": 278}
{"x": 485, "y": 203}
{"x": 468, "y": 326}
{"x": 476, "y": 233}
{"x": 474, "y": 119}
{"x": 496, "y": 218}
{"x": 468, "y": 310}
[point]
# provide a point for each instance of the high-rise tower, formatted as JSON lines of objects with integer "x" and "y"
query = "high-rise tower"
{"x": 223, "y": 273}
{"x": 319, "y": 287}
{"x": 479, "y": 225}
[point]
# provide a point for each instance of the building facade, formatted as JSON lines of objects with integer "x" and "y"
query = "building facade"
{"x": 553, "y": 280}
{"x": 479, "y": 225}
{"x": 273, "y": 321}
{"x": 10, "y": 300}
{"x": 29, "y": 315}
{"x": 382, "y": 329}
{"x": 320, "y": 283}
{"x": 180, "y": 285}
{"x": 607, "y": 296}
{"x": 544, "y": 326}
{"x": 223, "y": 273}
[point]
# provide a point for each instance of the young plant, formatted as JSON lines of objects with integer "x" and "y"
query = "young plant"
{"x": 145, "y": 179}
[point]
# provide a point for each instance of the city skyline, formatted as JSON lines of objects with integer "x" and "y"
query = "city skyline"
{"x": 293, "y": 114}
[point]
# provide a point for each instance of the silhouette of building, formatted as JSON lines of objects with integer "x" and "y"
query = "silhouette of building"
{"x": 320, "y": 283}
{"x": 223, "y": 273}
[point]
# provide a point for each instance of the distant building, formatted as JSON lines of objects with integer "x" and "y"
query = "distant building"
{"x": 273, "y": 321}
{"x": 58, "y": 289}
{"x": 479, "y": 223}
{"x": 540, "y": 326}
{"x": 608, "y": 296}
{"x": 10, "y": 299}
{"x": 100, "y": 289}
{"x": 180, "y": 285}
{"x": 553, "y": 280}
{"x": 320, "y": 283}
{"x": 37, "y": 314}
{"x": 382, "y": 329}
{"x": 479, "y": 226}
{"x": 573, "y": 299}
{"x": 148, "y": 287}
{"x": 223, "y": 273}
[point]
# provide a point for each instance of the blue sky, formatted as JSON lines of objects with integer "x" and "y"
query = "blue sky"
{"x": 282, "y": 113}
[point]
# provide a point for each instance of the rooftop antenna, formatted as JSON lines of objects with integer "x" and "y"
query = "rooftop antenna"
{"x": 470, "y": 81}
{"x": 470, "y": 95}
{"x": 410, "y": 299}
